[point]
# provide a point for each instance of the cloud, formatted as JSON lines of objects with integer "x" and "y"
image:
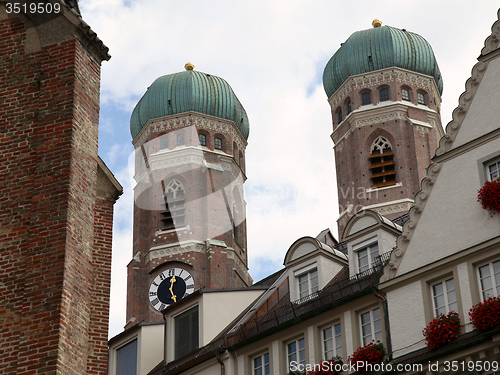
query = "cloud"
{"x": 272, "y": 53}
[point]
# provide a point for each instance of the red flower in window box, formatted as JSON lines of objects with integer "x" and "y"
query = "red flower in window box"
{"x": 485, "y": 315}
{"x": 372, "y": 354}
{"x": 442, "y": 330}
{"x": 331, "y": 367}
{"x": 489, "y": 196}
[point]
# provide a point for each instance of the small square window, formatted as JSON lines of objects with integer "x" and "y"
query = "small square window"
{"x": 371, "y": 326}
{"x": 405, "y": 94}
{"x": 384, "y": 95}
{"x": 261, "y": 365}
{"x": 489, "y": 279}
{"x": 218, "y": 144}
{"x": 444, "y": 298}
{"x": 332, "y": 342}
{"x": 420, "y": 98}
{"x": 296, "y": 353}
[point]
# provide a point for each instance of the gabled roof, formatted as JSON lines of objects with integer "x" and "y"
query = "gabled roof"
{"x": 446, "y": 145}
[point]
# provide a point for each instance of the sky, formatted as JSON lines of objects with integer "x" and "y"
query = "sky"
{"x": 272, "y": 53}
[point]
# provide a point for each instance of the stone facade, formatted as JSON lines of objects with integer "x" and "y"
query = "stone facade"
{"x": 55, "y": 216}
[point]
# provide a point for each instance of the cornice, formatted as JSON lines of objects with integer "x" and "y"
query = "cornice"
{"x": 384, "y": 76}
{"x": 493, "y": 41}
{"x": 190, "y": 118}
{"x": 445, "y": 145}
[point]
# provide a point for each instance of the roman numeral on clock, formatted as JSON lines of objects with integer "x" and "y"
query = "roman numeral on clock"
{"x": 155, "y": 302}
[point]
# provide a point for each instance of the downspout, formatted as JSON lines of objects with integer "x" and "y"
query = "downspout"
{"x": 386, "y": 324}
{"x": 164, "y": 340}
{"x": 222, "y": 368}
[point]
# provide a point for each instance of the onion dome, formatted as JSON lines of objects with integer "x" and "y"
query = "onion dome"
{"x": 185, "y": 91}
{"x": 379, "y": 48}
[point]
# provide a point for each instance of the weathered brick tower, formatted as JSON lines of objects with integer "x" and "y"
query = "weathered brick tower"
{"x": 190, "y": 133}
{"x": 384, "y": 88}
{"x": 56, "y": 195}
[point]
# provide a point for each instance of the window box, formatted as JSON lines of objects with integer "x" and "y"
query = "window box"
{"x": 330, "y": 367}
{"x": 485, "y": 315}
{"x": 442, "y": 329}
{"x": 489, "y": 196}
{"x": 372, "y": 354}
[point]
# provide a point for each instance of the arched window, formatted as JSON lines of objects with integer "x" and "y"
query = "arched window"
{"x": 421, "y": 98}
{"x": 405, "y": 95}
{"x": 202, "y": 139}
{"x": 339, "y": 113}
{"x": 366, "y": 98}
{"x": 180, "y": 139}
{"x": 173, "y": 216}
{"x": 382, "y": 163}
{"x": 238, "y": 219}
{"x": 349, "y": 109}
{"x": 164, "y": 142}
{"x": 218, "y": 144}
{"x": 384, "y": 94}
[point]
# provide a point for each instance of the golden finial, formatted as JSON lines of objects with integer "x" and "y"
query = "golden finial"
{"x": 189, "y": 66}
{"x": 376, "y": 23}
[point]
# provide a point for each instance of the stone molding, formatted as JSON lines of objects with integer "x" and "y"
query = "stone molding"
{"x": 384, "y": 76}
{"x": 168, "y": 250}
{"x": 200, "y": 121}
{"x": 493, "y": 41}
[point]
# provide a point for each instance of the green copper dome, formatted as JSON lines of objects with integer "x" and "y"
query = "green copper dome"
{"x": 379, "y": 48}
{"x": 189, "y": 91}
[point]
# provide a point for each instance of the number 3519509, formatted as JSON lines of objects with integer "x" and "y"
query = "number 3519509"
{"x": 33, "y": 8}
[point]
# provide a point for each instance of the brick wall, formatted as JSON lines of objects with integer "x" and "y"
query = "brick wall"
{"x": 49, "y": 105}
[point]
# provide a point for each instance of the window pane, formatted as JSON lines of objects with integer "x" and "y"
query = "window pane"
{"x": 338, "y": 340}
{"x": 365, "y": 97}
{"x": 302, "y": 351}
{"x": 420, "y": 98}
{"x": 218, "y": 143}
{"x": 266, "y": 364}
{"x": 405, "y": 94}
{"x": 314, "y": 281}
{"x": 327, "y": 343}
{"x": 203, "y": 139}
{"x": 363, "y": 260}
{"x": 494, "y": 171}
{"x": 384, "y": 95}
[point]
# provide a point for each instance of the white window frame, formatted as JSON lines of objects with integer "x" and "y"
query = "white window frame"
{"x": 255, "y": 369}
{"x": 336, "y": 349}
{"x": 446, "y": 293}
{"x": 298, "y": 352}
{"x": 366, "y": 245}
{"x": 405, "y": 94}
{"x": 488, "y": 173}
{"x": 374, "y": 334}
{"x": 495, "y": 287}
{"x": 308, "y": 282}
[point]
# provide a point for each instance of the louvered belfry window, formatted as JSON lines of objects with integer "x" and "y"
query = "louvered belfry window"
{"x": 186, "y": 332}
{"x": 174, "y": 214}
{"x": 382, "y": 163}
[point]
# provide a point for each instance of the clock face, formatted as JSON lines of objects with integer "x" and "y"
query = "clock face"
{"x": 170, "y": 286}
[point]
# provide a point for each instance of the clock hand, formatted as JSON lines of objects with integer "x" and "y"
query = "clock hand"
{"x": 172, "y": 281}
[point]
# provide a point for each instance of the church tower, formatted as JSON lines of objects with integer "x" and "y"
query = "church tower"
{"x": 190, "y": 133}
{"x": 384, "y": 88}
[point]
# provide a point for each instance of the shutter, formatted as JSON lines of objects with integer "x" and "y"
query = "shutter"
{"x": 186, "y": 336}
{"x": 126, "y": 359}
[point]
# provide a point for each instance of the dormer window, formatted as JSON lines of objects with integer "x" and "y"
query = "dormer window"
{"x": 308, "y": 283}
{"x": 382, "y": 163}
{"x": 366, "y": 254}
{"x": 186, "y": 332}
{"x": 384, "y": 95}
